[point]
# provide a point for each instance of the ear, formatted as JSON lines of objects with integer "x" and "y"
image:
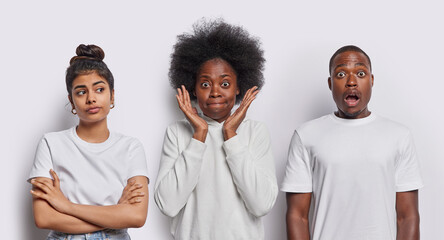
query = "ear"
{"x": 194, "y": 93}
{"x": 112, "y": 97}
{"x": 237, "y": 91}
{"x": 329, "y": 83}
{"x": 373, "y": 78}
{"x": 70, "y": 100}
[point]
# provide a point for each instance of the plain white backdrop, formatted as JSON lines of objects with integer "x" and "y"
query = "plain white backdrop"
{"x": 403, "y": 38}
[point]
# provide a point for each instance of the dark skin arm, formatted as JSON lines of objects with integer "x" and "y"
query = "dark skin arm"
{"x": 407, "y": 215}
{"x": 298, "y": 206}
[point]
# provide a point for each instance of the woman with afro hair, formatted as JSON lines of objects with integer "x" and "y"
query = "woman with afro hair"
{"x": 216, "y": 177}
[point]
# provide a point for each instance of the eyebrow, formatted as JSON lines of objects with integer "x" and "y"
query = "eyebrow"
{"x": 356, "y": 64}
{"x": 84, "y": 86}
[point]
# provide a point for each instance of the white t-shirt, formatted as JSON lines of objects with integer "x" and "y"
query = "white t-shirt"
{"x": 90, "y": 173}
{"x": 217, "y": 189}
{"x": 353, "y": 169}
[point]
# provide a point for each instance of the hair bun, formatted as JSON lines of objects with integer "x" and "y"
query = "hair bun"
{"x": 91, "y": 52}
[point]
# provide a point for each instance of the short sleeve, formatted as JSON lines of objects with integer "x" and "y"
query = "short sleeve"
{"x": 137, "y": 162}
{"x": 42, "y": 161}
{"x": 298, "y": 174}
{"x": 408, "y": 176}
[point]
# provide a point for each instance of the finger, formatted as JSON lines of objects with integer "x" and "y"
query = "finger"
{"x": 135, "y": 200}
{"x": 56, "y": 178}
{"x": 135, "y": 187}
{"x": 137, "y": 194}
{"x": 38, "y": 194}
{"x": 179, "y": 96}
{"x": 43, "y": 187}
{"x": 129, "y": 184}
{"x": 251, "y": 91}
{"x": 186, "y": 96}
{"x": 179, "y": 102}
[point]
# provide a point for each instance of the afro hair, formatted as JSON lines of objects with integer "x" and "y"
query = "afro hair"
{"x": 217, "y": 40}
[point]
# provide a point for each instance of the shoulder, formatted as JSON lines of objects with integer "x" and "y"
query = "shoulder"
{"x": 315, "y": 125}
{"x": 126, "y": 140}
{"x": 253, "y": 128}
{"x": 253, "y": 124}
{"x": 180, "y": 127}
{"x": 60, "y": 136}
{"x": 390, "y": 126}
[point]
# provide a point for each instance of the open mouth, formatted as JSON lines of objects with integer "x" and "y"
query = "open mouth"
{"x": 351, "y": 99}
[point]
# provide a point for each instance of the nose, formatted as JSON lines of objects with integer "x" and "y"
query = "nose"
{"x": 91, "y": 98}
{"x": 215, "y": 91}
{"x": 351, "y": 81}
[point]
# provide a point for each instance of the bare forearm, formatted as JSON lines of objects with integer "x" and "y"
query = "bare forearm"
{"x": 47, "y": 217}
{"x": 297, "y": 228}
{"x": 408, "y": 229}
{"x": 114, "y": 216}
{"x": 407, "y": 215}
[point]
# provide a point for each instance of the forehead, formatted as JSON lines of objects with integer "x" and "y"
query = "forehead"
{"x": 216, "y": 66}
{"x": 88, "y": 79}
{"x": 350, "y": 58}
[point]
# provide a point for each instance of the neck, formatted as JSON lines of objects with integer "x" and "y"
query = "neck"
{"x": 361, "y": 114}
{"x": 96, "y": 132}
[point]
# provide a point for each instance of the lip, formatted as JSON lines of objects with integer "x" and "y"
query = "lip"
{"x": 93, "y": 110}
{"x": 356, "y": 97}
{"x": 215, "y": 103}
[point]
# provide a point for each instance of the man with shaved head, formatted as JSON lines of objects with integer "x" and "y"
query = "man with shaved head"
{"x": 352, "y": 174}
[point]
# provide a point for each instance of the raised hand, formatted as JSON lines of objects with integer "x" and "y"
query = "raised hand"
{"x": 50, "y": 191}
{"x": 200, "y": 126}
{"x": 131, "y": 193}
{"x": 235, "y": 119}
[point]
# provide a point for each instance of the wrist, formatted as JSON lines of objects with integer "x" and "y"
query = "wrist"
{"x": 69, "y": 208}
{"x": 228, "y": 134}
{"x": 200, "y": 134}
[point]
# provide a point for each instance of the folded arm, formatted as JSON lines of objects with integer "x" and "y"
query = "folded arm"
{"x": 47, "y": 217}
{"x": 88, "y": 217}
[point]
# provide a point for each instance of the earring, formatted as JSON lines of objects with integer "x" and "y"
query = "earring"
{"x": 73, "y": 111}
{"x": 111, "y": 106}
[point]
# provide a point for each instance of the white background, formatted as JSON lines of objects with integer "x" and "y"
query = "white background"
{"x": 403, "y": 38}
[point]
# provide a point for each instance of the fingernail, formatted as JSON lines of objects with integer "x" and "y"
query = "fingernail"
{"x": 138, "y": 200}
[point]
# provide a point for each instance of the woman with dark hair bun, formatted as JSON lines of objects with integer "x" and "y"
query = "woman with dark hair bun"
{"x": 216, "y": 177}
{"x": 101, "y": 185}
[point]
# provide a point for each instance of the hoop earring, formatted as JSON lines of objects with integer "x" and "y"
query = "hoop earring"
{"x": 111, "y": 106}
{"x": 73, "y": 111}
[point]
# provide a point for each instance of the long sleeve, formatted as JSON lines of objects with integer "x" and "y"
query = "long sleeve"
{"x": 252, "y": 168}
{"x": 178, "y": 171}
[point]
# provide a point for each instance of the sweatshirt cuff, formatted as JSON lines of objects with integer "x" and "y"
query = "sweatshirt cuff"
{"x": 196, "y": 147}
{"x": 233, "y": 146}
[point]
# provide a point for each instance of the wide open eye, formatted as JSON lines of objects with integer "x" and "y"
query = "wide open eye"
{"x": 225, "y": 84}
{"x": 205, "y": 84}
{"x": 340, "y": 74}
{"x": 361, "y": 74}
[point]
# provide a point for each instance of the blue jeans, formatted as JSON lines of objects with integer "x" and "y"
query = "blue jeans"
{"x": 107, "y": 234}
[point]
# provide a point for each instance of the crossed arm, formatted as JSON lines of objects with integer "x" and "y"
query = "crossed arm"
{"x": 53, "y": 211}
